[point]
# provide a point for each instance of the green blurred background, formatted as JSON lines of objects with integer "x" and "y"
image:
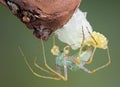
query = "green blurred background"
{"x": 104, "y": 16}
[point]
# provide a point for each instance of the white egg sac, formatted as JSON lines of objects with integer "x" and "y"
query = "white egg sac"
{"x": 71, "y": 33}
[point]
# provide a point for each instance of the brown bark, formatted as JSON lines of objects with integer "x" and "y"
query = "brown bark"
{"x": 44, "y": 16}
{"x": 3, "y": 2}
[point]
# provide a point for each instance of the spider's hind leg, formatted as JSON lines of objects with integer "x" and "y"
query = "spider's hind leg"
{"x": 33, "y": 72}
{"x": 103, "y": 66}
{"x": 49, "y": 68}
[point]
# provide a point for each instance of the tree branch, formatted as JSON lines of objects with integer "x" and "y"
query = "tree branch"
{"x": 3, "y": 2}
{"x": 43, "y": 16}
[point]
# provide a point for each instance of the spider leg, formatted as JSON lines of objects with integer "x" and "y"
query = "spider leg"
{"x": 91, "y": 57}
{"x": 65, "y": 68}
{"x": 103, "y": 66}
{"x": 81, "y": 66}
{"x": 58, "y": 68}
{"x": 38, "y": 66}
{"x": 49, "y": 68}
{"x": 98, "y": 68}
{"x": 81, "y": 47}
{"x": 33, "y": 72}
{"x": 92, "y": 36}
